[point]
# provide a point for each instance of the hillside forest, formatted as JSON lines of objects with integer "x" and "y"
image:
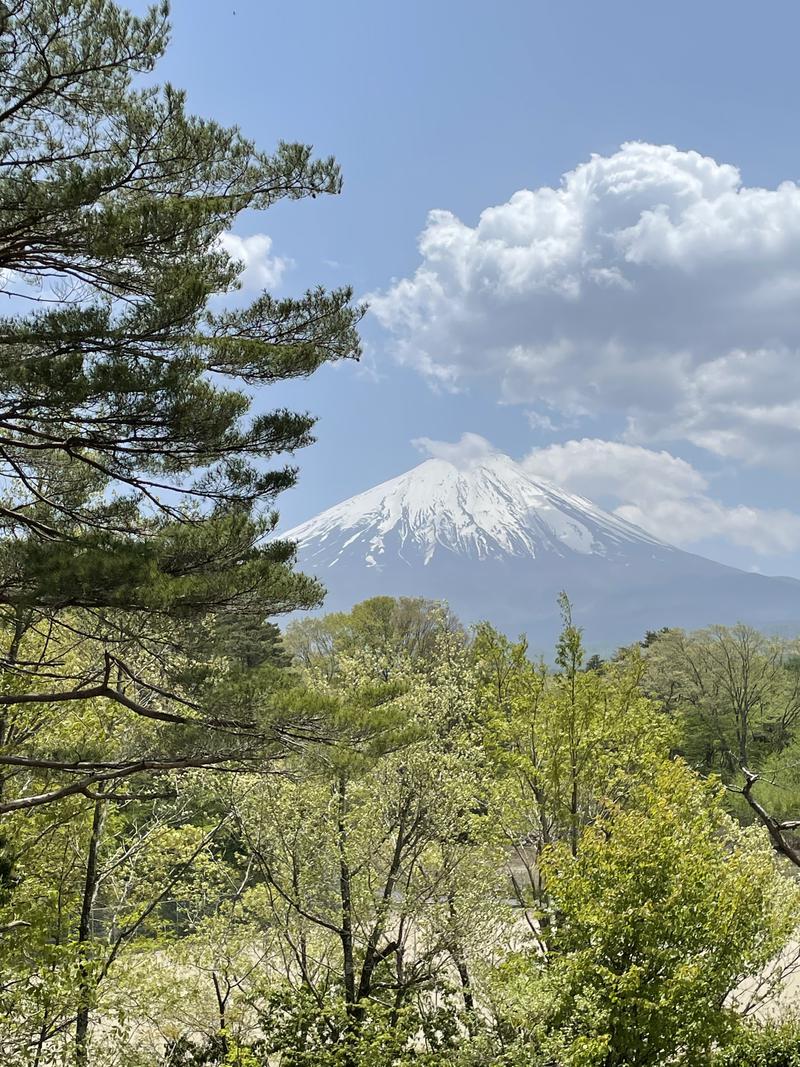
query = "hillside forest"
{"x": 378, "y": 837}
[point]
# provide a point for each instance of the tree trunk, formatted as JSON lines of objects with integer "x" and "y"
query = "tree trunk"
{"x": 460, "y": 959}
{"x": 346, "y": 930}
{"x": 20, "y": 626}
{"x": 222, "y": 1004}
{"x": 85, "y": 982}
{"x": 373, "y": 956}
{"x": 348, "y": 955}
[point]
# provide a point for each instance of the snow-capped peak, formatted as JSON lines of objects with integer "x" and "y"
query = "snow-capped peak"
{"x": 487, "y": 508}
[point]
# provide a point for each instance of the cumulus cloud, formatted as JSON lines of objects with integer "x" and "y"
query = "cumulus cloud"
{"x": 600, "y": 469}
{"x": 464, "y": 453}
{"x": 661, "y": 493}
{"x": 261, "y": 270}
{"x": 650, "y": 284}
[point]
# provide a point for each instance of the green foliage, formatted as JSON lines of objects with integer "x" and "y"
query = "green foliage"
{"x": 667, "y": 905}
{"x": 304, "y": 1032}
{"x": 467, "y": 859}
{"x": 567, "y": 743}
{"x": 569, "y": 649}
{"x": 733, "y": 692}
{"x": 124, "y": 409}
{"x": 371, "y": 858}
{"x": 7, "y": 877}
{"x": 396, "y": 632}
{"x": 773, "y": 1045}
{"x": 307, "y": 1033}
{"x": 735, "y": 695}
{"x": 216, "y": 1051}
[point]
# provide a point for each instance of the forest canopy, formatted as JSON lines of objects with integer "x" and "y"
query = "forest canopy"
{"x": 479, "y": 859}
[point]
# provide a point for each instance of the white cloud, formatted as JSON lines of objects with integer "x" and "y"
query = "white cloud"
{"x": 539, "y": 421}
{"x": 661, "y": 493}
{"x": 261, "y": 270}
{"x": 651, "y": 284}
{"x": 599, "y": 469}
{"x": 470, "y": 449}
{"x": 685, "y": 522}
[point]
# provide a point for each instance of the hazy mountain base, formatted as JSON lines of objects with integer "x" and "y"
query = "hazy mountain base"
{"x": 615, "y": 600}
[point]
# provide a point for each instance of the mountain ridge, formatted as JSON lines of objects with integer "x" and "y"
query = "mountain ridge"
{"x": 500, "y": 544}
{"x": 489, "y": 507}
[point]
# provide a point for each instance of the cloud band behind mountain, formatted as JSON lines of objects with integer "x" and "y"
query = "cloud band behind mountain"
{"x": 661, "y": 493}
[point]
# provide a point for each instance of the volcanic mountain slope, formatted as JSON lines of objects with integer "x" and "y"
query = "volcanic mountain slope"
{"x": 498, "y": 544}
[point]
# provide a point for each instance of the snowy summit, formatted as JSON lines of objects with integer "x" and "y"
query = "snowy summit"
{"x": 487, "y": 508}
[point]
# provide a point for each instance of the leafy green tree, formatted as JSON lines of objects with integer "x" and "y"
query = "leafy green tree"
{"x": 138, "y": 494}
{"x": 374, "y": 861}
{"x": 666, "y": 907}
{"x": 398, "y": 630}
{"x": 594, "y": 663}
{"x": 564, "y": 744}
{"x": 776, "y": 1044}
{"x": 355, "y": 908}
{"x": 376, "y": 875}
{"x": 96, "y": 885}
{"x": 735, "y": 694}
{"x": 173, "y": 710}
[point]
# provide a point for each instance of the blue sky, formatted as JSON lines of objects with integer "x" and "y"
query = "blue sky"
{"x": 631, "y": 331}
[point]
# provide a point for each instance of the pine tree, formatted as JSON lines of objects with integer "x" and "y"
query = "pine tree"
{"x": 136, "y": 482}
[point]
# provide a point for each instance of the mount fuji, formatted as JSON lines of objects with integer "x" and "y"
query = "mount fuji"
{"x": 498, "y": 544}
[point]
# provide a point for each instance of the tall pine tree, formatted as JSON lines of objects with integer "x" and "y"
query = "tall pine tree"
{"x": 137, "y": 496}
